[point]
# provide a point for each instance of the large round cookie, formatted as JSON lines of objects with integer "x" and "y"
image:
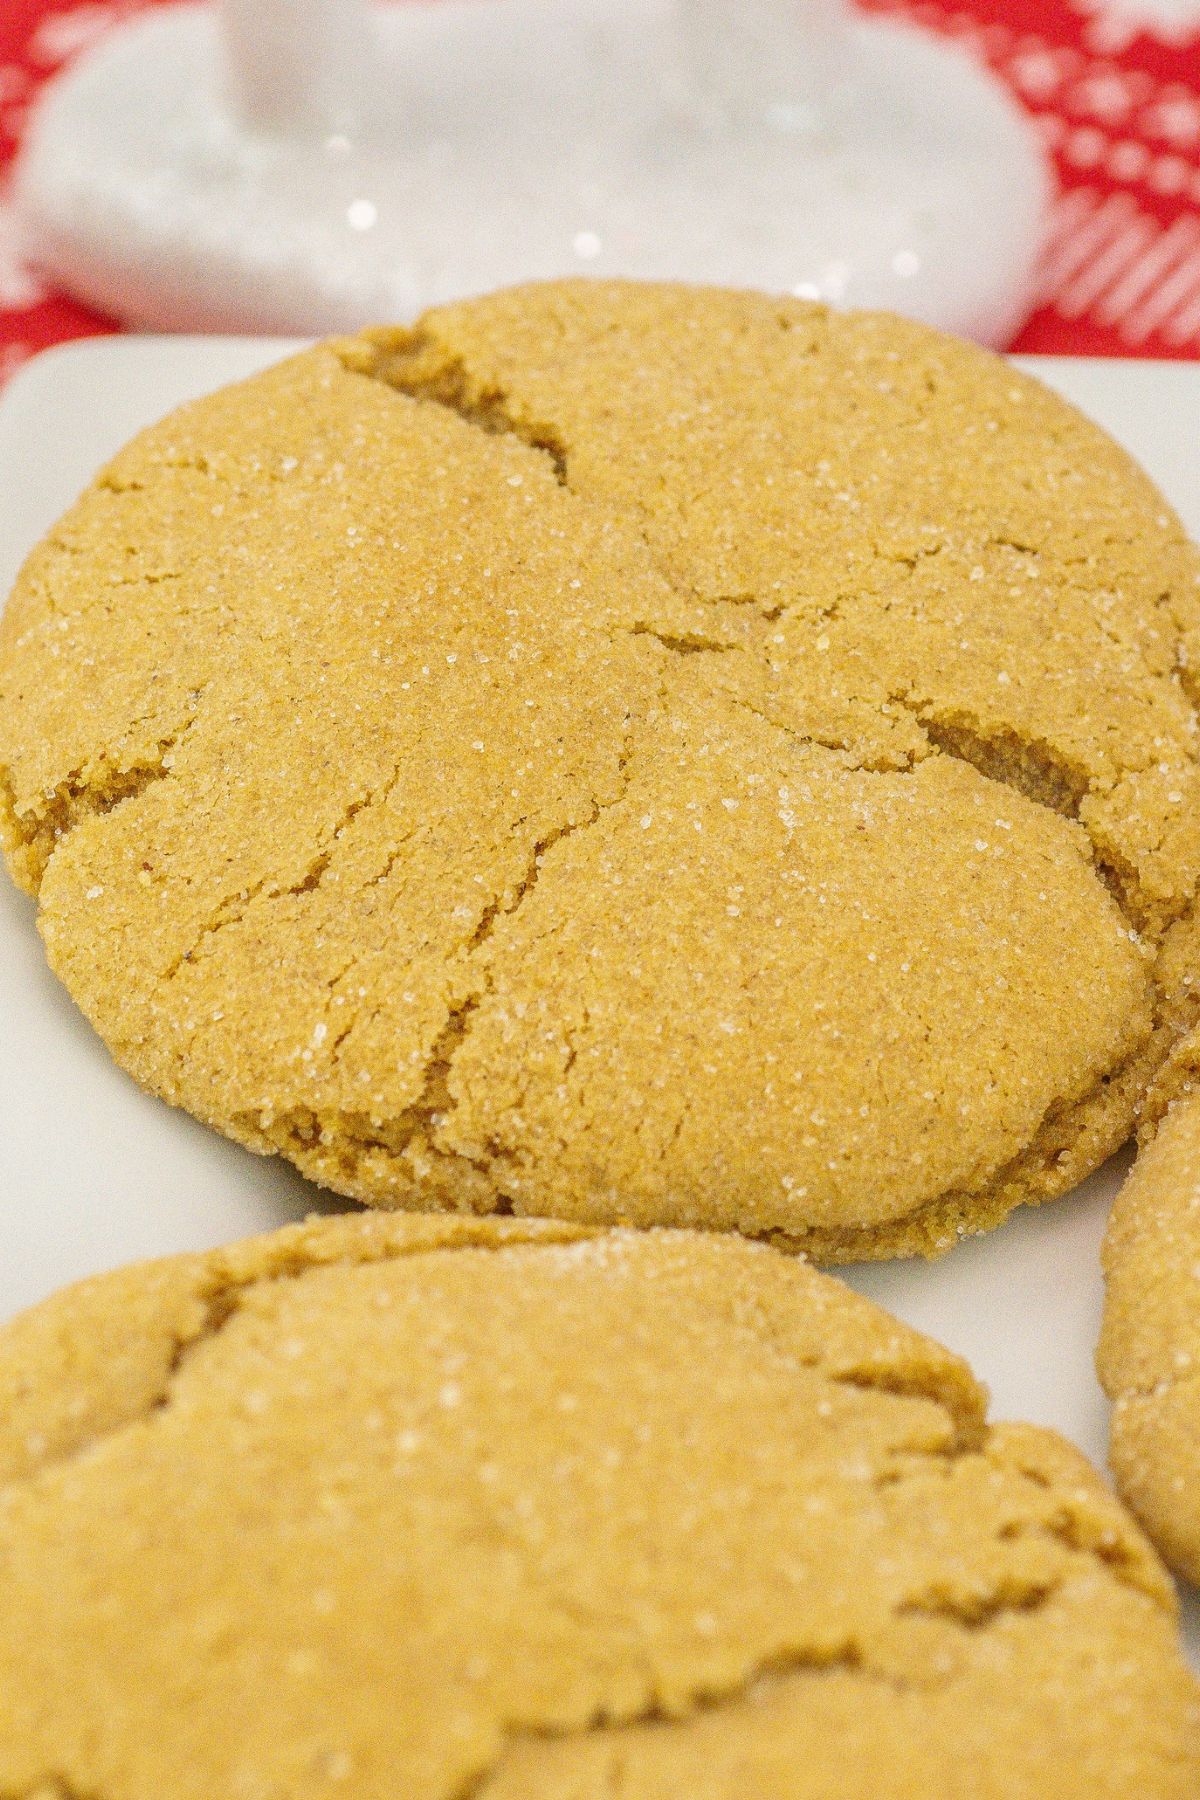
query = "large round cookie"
{"x": 442, "y": 1508}
{"x": 623, "y": 753}
{"x": 1149, "y": 1357}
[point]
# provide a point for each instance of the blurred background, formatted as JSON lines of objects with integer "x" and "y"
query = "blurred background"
{"x": 1110, "y": 90}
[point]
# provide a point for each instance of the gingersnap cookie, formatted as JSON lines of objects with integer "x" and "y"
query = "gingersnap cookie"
{"x": 629, "y": 754}
{"x": 1149, "y": 1356}
{"x": 440, "y": 1507}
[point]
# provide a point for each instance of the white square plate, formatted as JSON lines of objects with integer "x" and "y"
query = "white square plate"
{"x": 94, "y": 1173}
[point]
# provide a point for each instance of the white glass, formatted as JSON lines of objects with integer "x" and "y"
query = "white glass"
{"x": 297, "y": 66}
{"x": 765, "y": 57}
{"x": 306, "y": 165}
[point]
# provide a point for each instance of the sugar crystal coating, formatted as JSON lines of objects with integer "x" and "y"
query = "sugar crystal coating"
{"x": 495, "y": 1508}
{"x": 1149, "y": 1354}
{"x": 626, "y": 753}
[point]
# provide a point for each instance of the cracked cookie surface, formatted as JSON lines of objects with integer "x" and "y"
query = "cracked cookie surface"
{"x": 629, "y": 754}
{"x": 490, "y": 1508}
{"x": 1149, "y": 1355}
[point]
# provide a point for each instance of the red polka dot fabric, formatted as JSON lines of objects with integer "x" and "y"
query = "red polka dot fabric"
{"x": 1113, "y": 87}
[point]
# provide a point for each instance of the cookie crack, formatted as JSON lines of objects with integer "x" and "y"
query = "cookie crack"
{"x": 222, "y": 1291}
{"x": 802, "y": 1662}
{"x": 426, "y": 371}
{"x": 781, "y": 1669}
{"x": 689, "y": 643}
{"x": 499, "y": 908}
{"x": 777, "y": 1669}
{"x": 234, "y": 907}
{"x": 435, "y": 1102}
{"x": 1005, "y": 757}
{"x": 916, "y": 1383}
{"x": 884, "y": 764}
{"x": 784, "y": 1668}
{"x": 355, "y": 1133}
{"x": 1031, "y": 767}
{"x": 976, "y": 1611}
{"x": 1116, "y": 1558}
{"x": 931, "y": 1229}
{"x": 91, "y": 790}
{"x": 1009, "y": 1597}
{"x": 218, "y": 1300}
{"x": 415, "y": 365}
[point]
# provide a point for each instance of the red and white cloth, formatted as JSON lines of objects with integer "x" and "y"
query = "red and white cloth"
{"x": 1113, "y": 85}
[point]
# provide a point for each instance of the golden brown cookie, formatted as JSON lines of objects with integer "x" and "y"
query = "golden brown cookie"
{"x": 1149, "y": 1357}
{"x": 445, "y": 1508}
{"x": 624, "y": 753}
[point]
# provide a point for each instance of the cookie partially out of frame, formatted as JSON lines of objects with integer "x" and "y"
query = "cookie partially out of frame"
{"x": 1149, "y": 1356}
{"x": 629, "y": 754}
{"x": 442, "y": 1508}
